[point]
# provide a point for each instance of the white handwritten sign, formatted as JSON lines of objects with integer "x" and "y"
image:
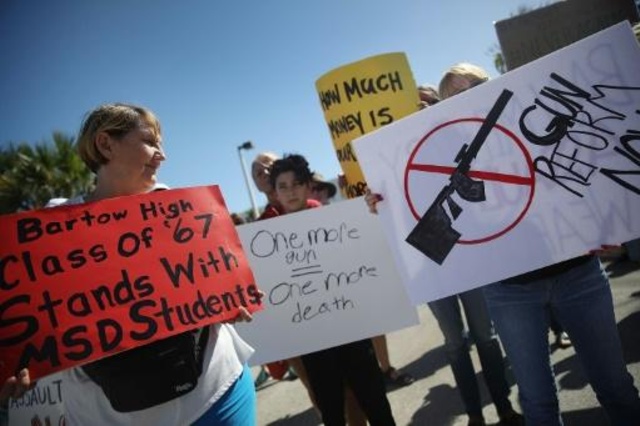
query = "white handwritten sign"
{"x": 329, "y": 279}
{"x": 532, "y": 168}
{"x": 41, "y": 406}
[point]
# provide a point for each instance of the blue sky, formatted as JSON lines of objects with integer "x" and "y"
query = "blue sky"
{"x": 219, "y": 72}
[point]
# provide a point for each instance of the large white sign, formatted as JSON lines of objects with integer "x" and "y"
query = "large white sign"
{"x": 328, "y": 277}
{"x": 537, "y": 166}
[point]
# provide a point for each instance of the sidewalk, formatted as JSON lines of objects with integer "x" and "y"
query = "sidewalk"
{"x": 433, "y": 398}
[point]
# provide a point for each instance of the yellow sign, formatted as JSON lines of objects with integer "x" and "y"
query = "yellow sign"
{"x": 360, "y": 97}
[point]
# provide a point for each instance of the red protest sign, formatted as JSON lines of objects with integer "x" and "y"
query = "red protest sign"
{"x": 80, "y": 282}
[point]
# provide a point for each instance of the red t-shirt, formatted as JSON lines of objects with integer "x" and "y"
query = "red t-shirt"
{"x": 272, "y": 211}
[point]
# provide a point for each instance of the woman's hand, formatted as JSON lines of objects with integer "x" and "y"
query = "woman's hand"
{"x": 16, "y": 386}
{"x": 244, "y": 315}
{"x": 607, "y": 250}
{"x": 372, "y": 200}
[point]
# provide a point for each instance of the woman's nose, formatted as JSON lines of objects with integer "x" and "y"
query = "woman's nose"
{"x": 160, "y": 154}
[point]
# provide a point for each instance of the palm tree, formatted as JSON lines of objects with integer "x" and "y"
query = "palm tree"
{"x": 32, "y": 175}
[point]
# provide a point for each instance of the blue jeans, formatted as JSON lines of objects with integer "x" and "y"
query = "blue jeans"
{"x": 581, "y": 300}
{"x": 449, "y": 317}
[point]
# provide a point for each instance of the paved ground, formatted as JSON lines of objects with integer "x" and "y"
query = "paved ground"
{"x": 433, "y": 398}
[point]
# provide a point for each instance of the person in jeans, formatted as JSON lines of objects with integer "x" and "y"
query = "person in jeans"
{"x": 449, "y": 316}
{"x": 578, "y": 293}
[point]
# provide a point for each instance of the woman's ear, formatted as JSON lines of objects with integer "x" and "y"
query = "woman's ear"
{"x": 104, "y": 145}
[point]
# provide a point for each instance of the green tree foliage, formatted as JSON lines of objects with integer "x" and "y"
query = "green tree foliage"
{"x": 498, "y": 58}
{"x": 30, "y": 175}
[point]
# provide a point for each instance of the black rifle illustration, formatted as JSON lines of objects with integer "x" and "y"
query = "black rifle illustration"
{"x": 433, "y": 235}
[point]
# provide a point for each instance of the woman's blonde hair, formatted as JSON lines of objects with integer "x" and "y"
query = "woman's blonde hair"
{"x": 116, "y": 120}
{"x": 472, "y": 73}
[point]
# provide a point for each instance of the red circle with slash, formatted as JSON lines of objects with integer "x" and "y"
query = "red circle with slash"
{"x": 527, "y": 181}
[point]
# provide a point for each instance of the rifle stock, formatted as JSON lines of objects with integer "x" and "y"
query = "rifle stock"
{"x": 433, "y": 235}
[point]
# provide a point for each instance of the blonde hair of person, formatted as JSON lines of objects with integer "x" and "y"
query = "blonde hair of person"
{"x": 472, "y": 73}
{"x": 116, "y": 120}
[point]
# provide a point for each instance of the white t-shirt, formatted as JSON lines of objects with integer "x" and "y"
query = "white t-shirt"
{"x": 224, "y": 359}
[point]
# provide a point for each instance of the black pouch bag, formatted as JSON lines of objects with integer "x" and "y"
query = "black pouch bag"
{"x": 152, "y": 374}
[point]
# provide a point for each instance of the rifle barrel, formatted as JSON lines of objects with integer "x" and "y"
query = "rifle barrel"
{"x": 488, "y": 124}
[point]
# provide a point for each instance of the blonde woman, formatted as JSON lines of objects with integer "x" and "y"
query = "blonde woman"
{"x": 122, "y": 145}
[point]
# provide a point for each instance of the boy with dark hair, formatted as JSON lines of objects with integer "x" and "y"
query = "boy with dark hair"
{"x": 291, "y": 181}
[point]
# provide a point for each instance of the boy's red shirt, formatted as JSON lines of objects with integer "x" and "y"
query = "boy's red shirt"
{"x": 272, "y": 211}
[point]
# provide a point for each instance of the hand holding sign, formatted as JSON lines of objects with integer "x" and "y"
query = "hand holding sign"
{"x": 560, "y": 168}
{"x": 136, "y": 272}
{"x": 134, "y": 269}
{"x": 15, "y": 386}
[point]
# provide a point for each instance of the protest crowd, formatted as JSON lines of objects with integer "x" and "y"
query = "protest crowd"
{"x": 507, "y": 322}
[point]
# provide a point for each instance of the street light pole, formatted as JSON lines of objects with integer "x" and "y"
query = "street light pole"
{"x": 247, "y": 146}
